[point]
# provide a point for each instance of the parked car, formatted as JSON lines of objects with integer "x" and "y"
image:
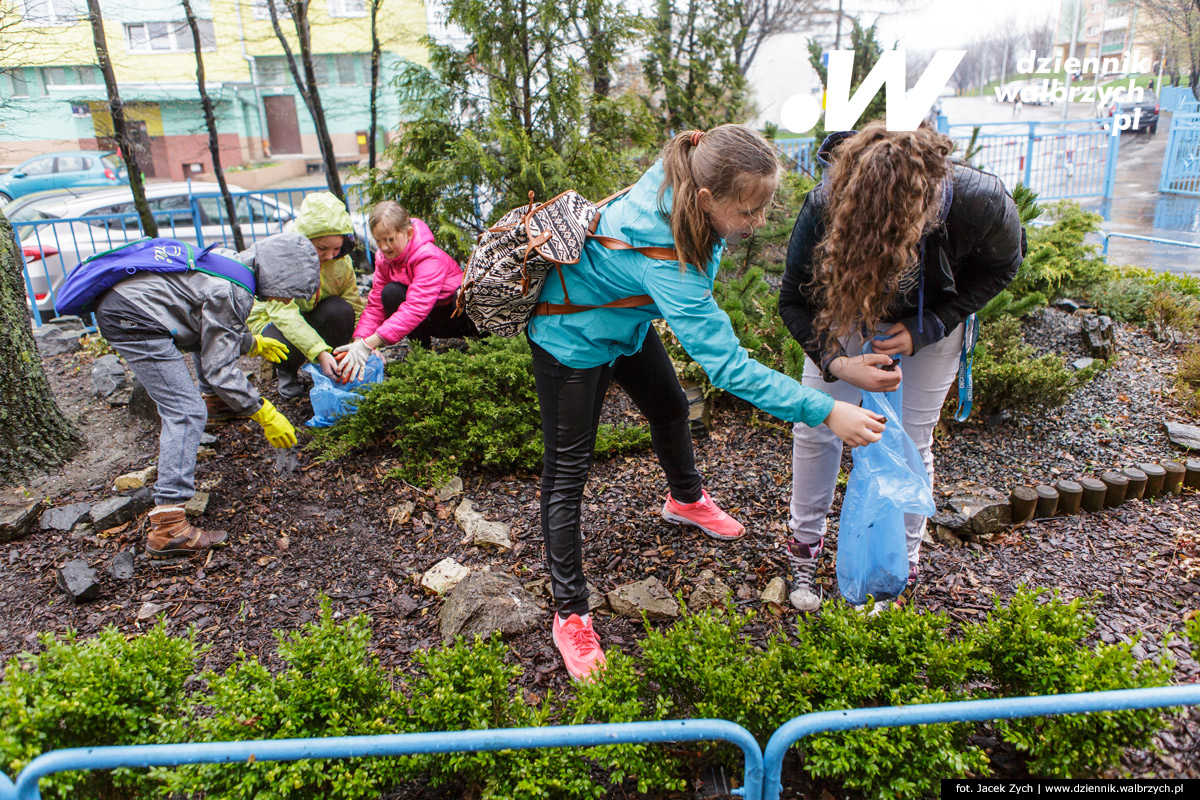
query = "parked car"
{"x": 62, "y": 171}
{"x": 1147, "y": 121}
{"x": 60, "y": 229}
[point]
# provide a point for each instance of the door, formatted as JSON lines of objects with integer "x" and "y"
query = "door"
{"x": 33, "y": 176}
{"x": 283, "y": 127}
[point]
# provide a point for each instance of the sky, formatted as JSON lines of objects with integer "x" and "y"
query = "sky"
{"x": 781, "y": 68}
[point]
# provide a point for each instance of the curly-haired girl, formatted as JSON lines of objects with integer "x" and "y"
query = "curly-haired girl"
{"x": 898, "y": 245}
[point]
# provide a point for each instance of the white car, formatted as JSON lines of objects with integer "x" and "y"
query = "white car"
{"x": 59, "y": 231}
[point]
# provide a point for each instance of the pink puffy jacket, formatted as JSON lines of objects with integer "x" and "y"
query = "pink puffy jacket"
{"x": 429, "y": 272}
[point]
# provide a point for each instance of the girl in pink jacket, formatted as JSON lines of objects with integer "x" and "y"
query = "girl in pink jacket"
{"x": 413, "y": 292}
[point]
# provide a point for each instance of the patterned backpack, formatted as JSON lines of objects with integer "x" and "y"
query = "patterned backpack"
{"x": 507, "y": 269}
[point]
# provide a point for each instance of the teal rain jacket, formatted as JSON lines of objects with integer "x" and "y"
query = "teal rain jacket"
{"x": 683, "y": 298}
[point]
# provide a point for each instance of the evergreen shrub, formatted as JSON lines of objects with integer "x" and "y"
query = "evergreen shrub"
{"x": 1008, "y": 376}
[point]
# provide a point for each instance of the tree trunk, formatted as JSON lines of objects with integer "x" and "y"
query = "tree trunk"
{"x": 35, "y": 437}
{"x": 120, "y": 130}
{"x": 375, "y": 54}
{"x": 307, "y": 84}
{"x": 214, "y": 144}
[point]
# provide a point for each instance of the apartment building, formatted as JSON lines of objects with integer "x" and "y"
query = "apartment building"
{"x": 52, "y": 95}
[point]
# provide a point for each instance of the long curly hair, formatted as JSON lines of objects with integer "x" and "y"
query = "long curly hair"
{"x": 883, "y": 194}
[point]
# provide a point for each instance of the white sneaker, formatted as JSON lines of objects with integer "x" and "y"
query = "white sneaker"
{"x": 802, "y": 571}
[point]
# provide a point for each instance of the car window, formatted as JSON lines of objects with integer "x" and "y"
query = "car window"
{"x": 41, "y": 166}
{"x": 174, "y": 211}
{"x": 29, "y": 214}
{"x": 72, "y": 164}
{"x": 265, "y": 211}
{"x": 212, "y": 210}
{"x": 104, "y": 216}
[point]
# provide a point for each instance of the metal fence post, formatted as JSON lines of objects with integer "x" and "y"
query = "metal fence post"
{"x": 965, "y": 711}
{"x": 1114, "y": 146}
{"x": 1029, "y": 154}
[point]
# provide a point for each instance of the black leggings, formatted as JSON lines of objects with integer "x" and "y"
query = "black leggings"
{"x": 570, "y": 401}
{"x": 439, "y": 323}
{"x": 332, "y": 319}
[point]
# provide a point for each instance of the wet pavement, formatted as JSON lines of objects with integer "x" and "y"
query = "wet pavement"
{"x": 1137, "y": 206}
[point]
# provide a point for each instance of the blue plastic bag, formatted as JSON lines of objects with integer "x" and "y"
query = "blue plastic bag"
{"x": 888, "y": 481}
{"x": 332, "y": 400}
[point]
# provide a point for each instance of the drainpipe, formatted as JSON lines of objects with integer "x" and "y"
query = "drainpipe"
{"x": 258, "y": 101}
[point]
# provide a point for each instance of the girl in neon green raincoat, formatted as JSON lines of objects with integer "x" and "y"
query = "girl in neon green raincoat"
{"x": 313, "y": 327}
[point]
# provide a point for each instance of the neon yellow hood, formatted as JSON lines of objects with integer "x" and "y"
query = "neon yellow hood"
{"x": 322, "y": 214}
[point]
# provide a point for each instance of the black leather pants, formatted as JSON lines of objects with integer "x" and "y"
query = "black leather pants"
{"x": 570, "y": 401}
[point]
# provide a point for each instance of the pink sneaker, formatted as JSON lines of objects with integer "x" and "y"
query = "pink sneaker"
{"x": 705, "y": 515}
{"x": 580, "y": 648}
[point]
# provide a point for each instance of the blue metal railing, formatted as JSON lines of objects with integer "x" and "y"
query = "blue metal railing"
{"x": 1106, "y": 235}
{"x": 1181, "y": 164}
{"x": 965, "y": 711}
{"x": 163, "y": 755}
{"x": 762, "y": 770}
{"x": 801, "y": 151}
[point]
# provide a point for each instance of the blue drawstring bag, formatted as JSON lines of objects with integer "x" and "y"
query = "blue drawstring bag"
{"x": 888, "y": 481}
{"x": 332, "y": 400}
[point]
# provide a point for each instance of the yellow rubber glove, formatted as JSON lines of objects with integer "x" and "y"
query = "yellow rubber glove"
{"x": 272, "y": 350}
{"x": 276, "y": 428}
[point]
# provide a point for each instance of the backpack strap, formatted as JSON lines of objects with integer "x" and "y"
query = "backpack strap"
{"x": 571, "y": 308}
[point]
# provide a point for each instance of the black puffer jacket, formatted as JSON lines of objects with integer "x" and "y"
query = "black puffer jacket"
{"x": 969, "y": 259}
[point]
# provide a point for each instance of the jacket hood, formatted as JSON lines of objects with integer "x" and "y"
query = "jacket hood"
{"x": 322, "y": 214}
{"x": 640, "y": 205}
{"x": 285, "y": 265}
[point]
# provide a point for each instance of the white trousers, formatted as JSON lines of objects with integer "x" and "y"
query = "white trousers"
{"x": 817, "y": 452}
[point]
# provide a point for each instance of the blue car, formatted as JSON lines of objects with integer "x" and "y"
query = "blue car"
{"x": 63, "y": 171}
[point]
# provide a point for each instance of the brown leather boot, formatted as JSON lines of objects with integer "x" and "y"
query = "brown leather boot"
{"x": 171, "y": 535}
{"x": 218, "y": 411}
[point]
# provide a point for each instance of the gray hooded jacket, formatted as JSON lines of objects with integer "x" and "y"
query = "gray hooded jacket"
{"x": 206, "y": 314}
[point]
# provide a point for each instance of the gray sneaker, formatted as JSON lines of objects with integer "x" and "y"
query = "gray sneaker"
{"x": 802, "y": 572}
{"x": 290, "y": 385}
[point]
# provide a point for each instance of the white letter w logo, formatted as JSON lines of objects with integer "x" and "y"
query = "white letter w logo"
{"x": 904, "y": 110}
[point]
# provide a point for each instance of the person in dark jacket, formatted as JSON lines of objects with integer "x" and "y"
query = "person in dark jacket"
{"x": 151, "y": 317}
{"x": 897, "y": 246}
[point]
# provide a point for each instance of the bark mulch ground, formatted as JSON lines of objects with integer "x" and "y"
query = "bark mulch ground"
{"x": 326, "y": 530}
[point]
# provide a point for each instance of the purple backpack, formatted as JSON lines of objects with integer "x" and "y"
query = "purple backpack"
{"x": 102, "y": 271}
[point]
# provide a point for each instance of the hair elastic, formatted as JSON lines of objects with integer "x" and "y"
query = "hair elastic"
{"x": 696, "y": 137}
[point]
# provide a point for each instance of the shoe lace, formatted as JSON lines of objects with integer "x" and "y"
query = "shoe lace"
{"x": 584, "y": 640}
{"x": 804, "y": 569}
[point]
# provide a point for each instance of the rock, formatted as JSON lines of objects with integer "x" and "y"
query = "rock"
{"x": 205, "y": 452}
{"x": 18, "y": 519}
{"x": 1083, "y": 363}
{"x": 484, "y": 602}
{"x": 58, "y": 342}
{"x": 649, "y": 596}
{"x": 444, "y": 576}
{"x": 208, "y": 440}
{"x": 68, "y": 323}
{"x": 1185, "y": 436}
{"x": 121, "y": 567}
{"x": 988, "y": 510}
{"x": 596, "y": 598}
{"x": 140, "y": 404}
{"x": 112, "y": 512}
{"x": 699, "y": 409}
{"x": 1099, "y": 336}
{"x": 480, "y": 530}
{"x": 1066, "y": 304}
{"x": 947, "y": 536}
{"x": 953, "y": 520}
{"x": 776, "y": 593}
{"x": 136, "y": 480}
{"x": 78, "y": 580}
{"x": 196, "y": 506}
{"x": 709, "y": 591}
{"x": 149, "y": 611}
{"x": 64, "y": 518}
{"x": 108, "y": 376}
{"x": 141, "y": 500}
{"x": 401, "y": 514}
{"x": 449, "y": 489}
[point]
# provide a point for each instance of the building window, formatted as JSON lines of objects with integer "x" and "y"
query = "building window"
{"x": 167, "y": 37}
{"x": 88, "y": 76}
{"x": 1092, "y": 31}
{"x": 272, "y": 71}
{"x": 345, "y": 68}
{"x": 1096, "y": 7}
{"x": 20, "y": 86}
{"x": 282, "y": 9}
{"x": 56, "y": 76}
{"x": 347, "y": 8}
{"x": 50, "y": 12}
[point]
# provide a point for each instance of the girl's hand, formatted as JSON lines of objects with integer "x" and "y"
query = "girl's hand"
{"x": 854, "y": 425}
{"x": 865, "y": 373}
{"x": 898, "y": 342}
{"x": 328, "y": 365}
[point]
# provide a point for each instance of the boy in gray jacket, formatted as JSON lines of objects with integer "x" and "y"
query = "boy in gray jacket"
{"x": 150, "y": 317}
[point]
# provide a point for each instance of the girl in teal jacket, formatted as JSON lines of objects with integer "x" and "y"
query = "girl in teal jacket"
{"x": 708, "y": 190}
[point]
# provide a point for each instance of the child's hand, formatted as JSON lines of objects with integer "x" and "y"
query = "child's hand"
{"x": 352, "y": 359}
{"x": 854, "y": 425}
{"x": 328, "y": 365}
{"x": 865, "y": 372}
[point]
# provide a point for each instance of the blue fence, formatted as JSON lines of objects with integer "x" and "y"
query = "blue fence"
{"x": 761, "y": 772}
{"x": 1181, "y": 164}
{"x": 1058, "y": 160}
{"x": 799, "y": 151}
{"x": 55, "y": 234}
{"x": 1174, "y": 98}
